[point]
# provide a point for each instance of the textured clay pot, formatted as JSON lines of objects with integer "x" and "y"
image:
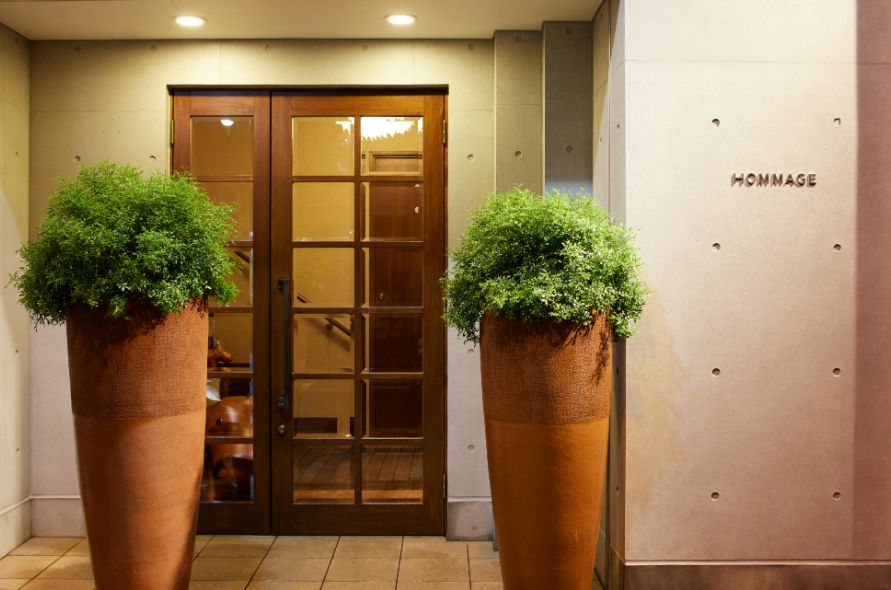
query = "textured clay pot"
{"x": 138, "y": 397}
{"x": 546, "y": 394}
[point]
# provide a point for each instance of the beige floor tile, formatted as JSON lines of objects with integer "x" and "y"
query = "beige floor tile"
{"x": 42, "y": 584}
{"x": 433, "y": 570}
{"x": 485, "y": 570}
{"x": 217, "y": 585}
{"x": 433, "y": 586}
{"x": 82, "y": 548}
{"x": 237, "y": 546}
{"x": 24, "y": 566}
{"x": 46, "y": 546}
{"x": 358, "y": 586}
{"x": 69, "y": 567}
{"x": 224, "y": 568}
{"x": 284, "y": 585}
{"x": 288, "y": 569}
{"x": 433, "y": 548}
{"x": 369, "y": 548}
{"x": 201, "y": 542}
{"x": 303, "y": 547}
{"x": 362, "y": 570}
{"x": 486, "y": 586}
{"x": 481, "y": 550}
{"x": 12, "y": 584}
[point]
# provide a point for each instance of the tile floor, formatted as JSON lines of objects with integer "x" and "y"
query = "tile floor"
{"x": 280, "y": 563}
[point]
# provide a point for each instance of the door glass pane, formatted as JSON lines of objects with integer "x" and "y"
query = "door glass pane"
{"x": 228, "y": 473}
{"x": 323, "y": 211}
{"x": 230, "y": 407}
{"x": 392, "y": 474}
{"x": 323, "y": 277}
{"x": 323, "y": 474}
{"x": 221, "y": 146}
{"x": 392, "y": 276}
{"x": 230, "y": 343}
{"x": 393, "y": 210}
{"x": 394, "y": 408}
{"x": 240, "y": 196}
{"x": 392, "y": 145}
{"x": 323, "y": 146}
{"x": 243, "y": 277}
{"x": 393, "y": 344}
{"x": 323, "y": 408}
{"x": 323, "y": 343}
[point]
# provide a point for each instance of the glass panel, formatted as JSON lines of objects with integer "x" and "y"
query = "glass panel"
{"x": 323, "y": 408}
{"x": 323, "y": 211}
{"x": 392, "y": 474}
{"x": 323, "y": 474}
{"x": 323, "y": 277}
{"x": 240, "y": 196}
{"x": 230, "y": 407}
{"x": 392, "y": 276}
{"x": 393, "y": 210}
{"x": 323, "y": 146}
{"x": 231, "y": 343}
{"x": 393, "y": 344}
{"x": 394, "y": 408}
{"x": 243, "y": 277}
{"x": 323, "y": 343}
{"x": 222, "y": 146}
{"x": 392, "y": 145}
{"x": 228, "y": 473}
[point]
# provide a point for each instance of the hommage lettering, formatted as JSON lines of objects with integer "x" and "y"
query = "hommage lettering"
{"x": 760, "y": 179}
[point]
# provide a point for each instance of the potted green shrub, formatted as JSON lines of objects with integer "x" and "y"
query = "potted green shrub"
{"x": 545, "y": 284}
{"x": 127, "y": 262}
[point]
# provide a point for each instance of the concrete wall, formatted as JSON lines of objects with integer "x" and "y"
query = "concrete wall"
{"x": 756, "y": 408}
{"x": 108, "y": 100}
{"x": 15, "y": 332}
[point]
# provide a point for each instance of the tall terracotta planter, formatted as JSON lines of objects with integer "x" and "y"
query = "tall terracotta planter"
{"x": 546, "y": 394}
{"x": 137, "y": 393}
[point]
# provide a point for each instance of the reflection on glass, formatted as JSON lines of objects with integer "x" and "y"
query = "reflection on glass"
{"x": 323, "y": 408}
{"x": 230, "y": 345}
{"x": 392, "y": 276}
{"x": 392, "y": 475}
{"x": 392, "y": 343}
{"x": 323, "y": 211}
{"x": 393, "y": 210}
{"x": 323, "y": 277}
{"x": 221, "y": 146}
{"x": 230, "y": 406}
{"x": 323, "y": 146}
{"x": 394, "y": 408}
{"x": 323, "y": 475}
{"x": 228, "y": 473}
{"x": 323, "y": 343}
{"x": 392, "y": 145}
{"x": 243, "y": 277}
{"x": 239, "y": 196}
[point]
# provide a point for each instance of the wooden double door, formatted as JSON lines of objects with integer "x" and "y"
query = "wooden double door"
{"x": 326, "y": 376}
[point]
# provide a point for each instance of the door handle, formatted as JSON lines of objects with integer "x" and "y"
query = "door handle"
{"x": 284, "y": 400}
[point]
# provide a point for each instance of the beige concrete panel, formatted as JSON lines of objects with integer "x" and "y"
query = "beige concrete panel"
{"x": 617, "y": 32}
{"x": 62, "y": 141}
{"x": 772, "y": 310}
{"x": 567, "y": 50}
{"x": 469, "y": 520}
{"x": 601, "y": 46}
{"x": 816, "y": 31}
{"x": 466, "y": 66}
{"x": 15, "y": 528}
{"x": 518, "y": 146}
{"x": 467, "y": 466}
{"x": 57, "y": 518}
{"x": 568, "y": 144}
{"x": 15, "y": 164}
{"x": 518, "y": 68}
{"x": 617, "y": 178}
{"x": 316, "y": 62}
{"x": 117, "y": 75}
{"x": 600, "y": 155}
{"x": 873, "y": 23}
{"x": 471, "y": 167}
{"x": 16, "y": 69}
{"x": 53, "y": 455}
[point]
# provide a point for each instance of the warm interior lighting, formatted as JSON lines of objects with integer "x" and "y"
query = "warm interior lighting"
{"x": 189, "y": 21}
{"x": 227, "y": 122}
{"x": 401, "y": 19}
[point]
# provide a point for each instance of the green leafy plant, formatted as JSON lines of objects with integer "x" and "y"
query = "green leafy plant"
{"x": 112, "y": 238}
{"x": 537, "y": 258}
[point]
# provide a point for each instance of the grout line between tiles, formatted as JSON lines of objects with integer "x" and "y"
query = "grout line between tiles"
{"x": 330, "y": 560}
{"x": 259, "y": 563}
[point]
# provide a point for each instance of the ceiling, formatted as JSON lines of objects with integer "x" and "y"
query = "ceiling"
{"x": 283, "y": 19}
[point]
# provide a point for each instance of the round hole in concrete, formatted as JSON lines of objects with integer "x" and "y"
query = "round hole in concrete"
{"x": 837, "y": 121}
{"x": 471, "y": 448}
{"x": 716, "y": 122}
{"x": 715, "y": 496}
{"x": 76, "y": 158}
{"x": 836, "y": 371}
{"x": 716, "y": 371}
{"x": 716, "y": 246}
{"x": 569, "y": 149}
{"x": 365, "y": 48}
{"x": 471, "y": 157}
{"x": 837, "y": 247}
{"x": 518, "y": 154}
{"x": 836, "y": 496}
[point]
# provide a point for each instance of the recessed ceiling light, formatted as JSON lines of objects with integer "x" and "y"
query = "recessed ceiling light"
{"x": 401, "y": 19}
{"x": 227, "y": 122}
{"x": 189, "y": 21}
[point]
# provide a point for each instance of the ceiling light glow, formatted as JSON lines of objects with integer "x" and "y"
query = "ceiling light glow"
{"x": 189, "y": 21}
{"x": 227, "y": 122}
{"x": 401, "y": 19}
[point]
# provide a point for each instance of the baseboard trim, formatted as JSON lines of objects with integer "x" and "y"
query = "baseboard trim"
{"x": 469, "y": 519}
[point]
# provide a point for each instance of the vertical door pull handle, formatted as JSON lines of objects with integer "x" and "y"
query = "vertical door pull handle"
{"x": 284, "y": 400}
